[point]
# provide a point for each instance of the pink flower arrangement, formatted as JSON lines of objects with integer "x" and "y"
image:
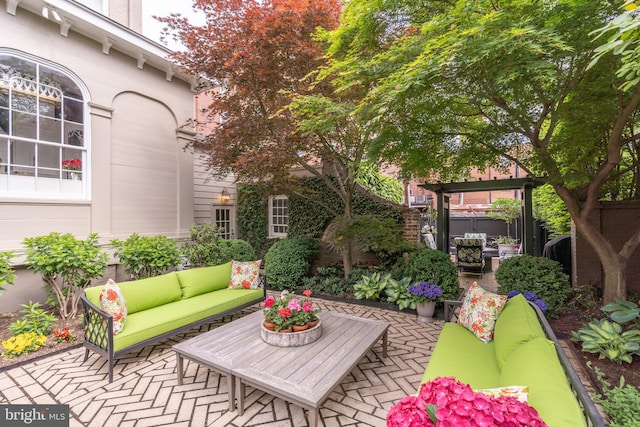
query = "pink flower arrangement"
{"x": 288, "y": 311}
{"x": 446, "y": 402}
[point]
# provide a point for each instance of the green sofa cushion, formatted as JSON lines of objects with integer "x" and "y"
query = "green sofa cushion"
{"x": 536, "y": 364}
{"x": 198, "y": 281}
{"x": 162, "y": 319}
{"x": 460, "y": 354}
{"x": 516, "y": 325}
{"x": 144, "y": 293}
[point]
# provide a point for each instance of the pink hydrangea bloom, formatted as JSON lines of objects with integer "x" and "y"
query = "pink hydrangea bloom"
{"x": 459, "y": 406}
{"x": 409, "y": 412}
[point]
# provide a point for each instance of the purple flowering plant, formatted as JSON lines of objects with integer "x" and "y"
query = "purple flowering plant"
{"x": 425, "y": 291}
{"x": 529, "y": 296}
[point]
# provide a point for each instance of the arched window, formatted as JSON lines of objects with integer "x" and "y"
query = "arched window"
{"x": 43, "y": 150}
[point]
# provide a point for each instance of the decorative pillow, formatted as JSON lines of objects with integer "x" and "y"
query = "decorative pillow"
{"x": 245, "y": 275}
{"x": 479, "y": 311}
{"x": 112, "y": 301}
{"x": 520, "y": 392}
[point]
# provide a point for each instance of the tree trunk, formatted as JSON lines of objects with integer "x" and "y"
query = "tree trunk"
{"x": 347, "y": 254}
{"x": 614, "y": 264}
{"x": 347, "y": 260}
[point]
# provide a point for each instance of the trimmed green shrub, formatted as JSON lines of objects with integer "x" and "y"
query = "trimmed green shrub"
{"x": 435, "y": 267}
{"x": 370, "y": 233}
{"x": 145, "y": 256}
{"x": 287, "y": 262}
{"x": 539, "y": 275}
{"x": 206, "y": 248}
{"x": 235, "y": 250}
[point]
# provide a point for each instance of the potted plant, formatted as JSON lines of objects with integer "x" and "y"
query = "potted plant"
{"x": 283, "y": 314}
{"x": 425, "y": 295}
{"x": 506, "y": 210}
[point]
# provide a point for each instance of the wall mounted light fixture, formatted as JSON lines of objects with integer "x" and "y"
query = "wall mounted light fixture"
{"x": 225, "y": 196}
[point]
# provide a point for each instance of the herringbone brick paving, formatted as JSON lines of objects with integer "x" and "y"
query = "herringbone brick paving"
{"x": 145, "y": 390}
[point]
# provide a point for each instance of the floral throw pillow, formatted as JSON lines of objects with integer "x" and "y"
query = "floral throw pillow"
{"x": 479, "y": 311}
{"x": 245, "y": 275}
{"x": 112, "y": 301}
{"x": 520, "y": 392}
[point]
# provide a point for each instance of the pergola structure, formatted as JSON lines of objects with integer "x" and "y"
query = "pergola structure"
{"x": 442, "y": 190}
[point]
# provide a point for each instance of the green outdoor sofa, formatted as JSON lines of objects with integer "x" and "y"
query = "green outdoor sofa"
{"x": 163, "y": 306}
{"x": 524, "y": 352}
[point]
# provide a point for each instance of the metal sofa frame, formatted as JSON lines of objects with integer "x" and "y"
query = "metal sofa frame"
{"x": 98, "y": 330}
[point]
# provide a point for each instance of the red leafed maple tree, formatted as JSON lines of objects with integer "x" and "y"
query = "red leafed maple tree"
{"x": 254, "y": 56}
{"x": 260, "y": 60}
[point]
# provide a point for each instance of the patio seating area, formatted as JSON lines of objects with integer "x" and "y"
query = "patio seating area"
{"x": 145, "y": 389}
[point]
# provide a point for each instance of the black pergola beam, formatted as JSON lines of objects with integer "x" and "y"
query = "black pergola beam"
{"x": 524, "y": 184}
{"x": 482, "y": 185}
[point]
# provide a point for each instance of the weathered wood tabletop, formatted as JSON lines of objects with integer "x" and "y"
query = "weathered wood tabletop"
{"x": 303, "y": 375}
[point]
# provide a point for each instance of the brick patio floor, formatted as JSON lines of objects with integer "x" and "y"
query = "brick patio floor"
{"x": 145, "y": 392}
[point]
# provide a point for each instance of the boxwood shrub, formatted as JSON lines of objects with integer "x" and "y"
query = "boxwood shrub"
{"x": 436, "y": 267}
{"x": 287, "y": 261}
{"x": 539, "y": 275}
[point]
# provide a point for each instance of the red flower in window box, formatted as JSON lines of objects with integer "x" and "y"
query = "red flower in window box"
{"x": 72, "y": 164}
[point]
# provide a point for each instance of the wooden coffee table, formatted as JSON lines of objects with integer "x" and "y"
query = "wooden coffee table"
{"x": 303, "y": 375}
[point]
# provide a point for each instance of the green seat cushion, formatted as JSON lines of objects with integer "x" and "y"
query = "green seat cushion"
{"x": 516, "y": 324}
{"x": 198, "y": 281}
{"x": 144, "y": 293}
{"x": 535, "y": 364}
{"x": 166, "y": 318}
{"x": 460, "y": 354}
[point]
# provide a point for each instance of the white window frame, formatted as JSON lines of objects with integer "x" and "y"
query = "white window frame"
{"x": 278, "y": 220}
{"x": 25, "y": 182}
{"x": 230, "y": 233}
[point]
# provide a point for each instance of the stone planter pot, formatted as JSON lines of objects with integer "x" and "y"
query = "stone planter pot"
{"x": 292, "y": 339}
{"x": 425, "y": 311}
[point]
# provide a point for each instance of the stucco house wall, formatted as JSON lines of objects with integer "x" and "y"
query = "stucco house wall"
{"x": 139, "y": 178}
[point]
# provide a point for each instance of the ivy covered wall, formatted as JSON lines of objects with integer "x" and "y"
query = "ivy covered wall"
{"x": 307, "y": 217}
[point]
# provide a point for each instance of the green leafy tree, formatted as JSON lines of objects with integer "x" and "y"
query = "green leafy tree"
{"x": 455, "y": 85}
{"x": 67, "y": 265}
{"x": 506, "y": 210}
{"x": 551, "y": 210}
